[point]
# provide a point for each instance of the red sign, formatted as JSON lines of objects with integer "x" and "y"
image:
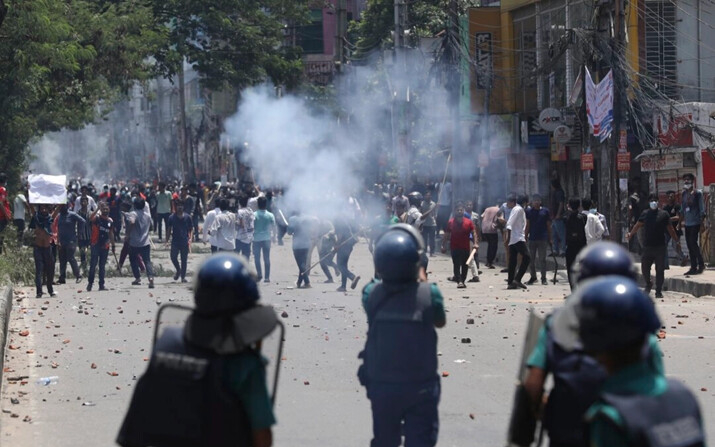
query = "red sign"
{"x": 623, "y": 161}
{"x": 623, "y": 141}
{"x": 676, "y": 131}
{"x": 587, "y": 162}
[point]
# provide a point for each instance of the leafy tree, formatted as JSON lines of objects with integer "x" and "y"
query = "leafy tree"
{"x": 62, "y": 62}
{"x": 231, "y": 43}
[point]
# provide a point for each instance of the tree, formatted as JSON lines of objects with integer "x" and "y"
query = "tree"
{"x": 63, "y": 62}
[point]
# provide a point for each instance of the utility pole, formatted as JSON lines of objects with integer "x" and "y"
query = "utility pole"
{"x": 183, "y": 138}
{"x": 612, "y": 191}
{"x": 454, "y": 84}
{"x": 400, "y": 98}
{"x": 340, "y": 34}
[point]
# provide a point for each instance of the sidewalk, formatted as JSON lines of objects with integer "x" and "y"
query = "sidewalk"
{"x": 676, "y": 281}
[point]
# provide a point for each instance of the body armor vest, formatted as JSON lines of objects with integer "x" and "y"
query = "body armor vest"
{"x": 183, "y": 400}
{"x": 401, "y": 343}
{"x": 577, "y": 381}
{"x": 671, "y": 419}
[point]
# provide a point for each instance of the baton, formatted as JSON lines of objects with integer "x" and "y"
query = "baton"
{"x": 471, "y": 256}
{"x": 119, "y": 269}
{"x": 556, "y": 267}
{"x": 332, "y": 252}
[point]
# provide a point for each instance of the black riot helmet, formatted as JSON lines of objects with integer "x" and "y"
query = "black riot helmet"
{"x": 225, "y": 285}
{"x": 415, "y": 198}
{"x": 399, "y": 252}
{"x": 603, "y": 258}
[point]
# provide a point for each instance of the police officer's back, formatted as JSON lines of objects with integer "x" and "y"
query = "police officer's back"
{"x": 400, "y": 356}
{"x": 205, "y": 384}
{"x": 577, "y": 375}
{"x": 637, "y": 405}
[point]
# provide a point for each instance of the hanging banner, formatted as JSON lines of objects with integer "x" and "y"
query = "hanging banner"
{"x": 587, "y": 162}
{"x": 623, "y": 161}
{"x": 599, "y": 105}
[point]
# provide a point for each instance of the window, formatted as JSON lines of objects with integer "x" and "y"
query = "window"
{"x": 310, "y": 36}
{"x": 661, "y": 57}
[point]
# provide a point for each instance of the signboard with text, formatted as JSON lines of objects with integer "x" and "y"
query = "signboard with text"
{"x": 623, "y": 161}
{"x": 662, "y": 163}
{"x": 587, "y": 162}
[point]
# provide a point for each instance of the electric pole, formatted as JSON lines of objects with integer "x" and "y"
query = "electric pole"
{"x": 341, "y": 32}
{"x": 613, "y": 194}
{"x": 400, "y": 99}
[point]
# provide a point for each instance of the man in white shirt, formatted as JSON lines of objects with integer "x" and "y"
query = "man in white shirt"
{"x": 225, "y": 227}
{"x": 244, "y": 227}
{"x": 516, "y": 232}
{"x": 207, "y": 233}
{"x": 594, "y": 227}
{"x": 91, "y": 204}
{"x": 18, "y": 214}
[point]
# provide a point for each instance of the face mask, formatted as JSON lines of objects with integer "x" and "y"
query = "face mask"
{"x": 688, "y": 185}
{"x": 653, "y": 205}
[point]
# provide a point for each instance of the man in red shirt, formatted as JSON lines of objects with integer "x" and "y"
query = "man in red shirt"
{"x": 5, "y": 213}
{"x": 457, "y": 232}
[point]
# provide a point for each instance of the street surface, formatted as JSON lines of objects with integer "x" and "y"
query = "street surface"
{"x": 98, "y": 343}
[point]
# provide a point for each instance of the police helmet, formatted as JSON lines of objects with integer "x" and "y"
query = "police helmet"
{"x": 415, "y": 198}
{"x": 398, "y": 254}
{"x": 225, "y": 284}
{"x": 613, "y": 313}
{"x": 603, "y": 258}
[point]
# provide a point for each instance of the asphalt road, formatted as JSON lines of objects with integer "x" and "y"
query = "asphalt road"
{"x": 97, "y": 343}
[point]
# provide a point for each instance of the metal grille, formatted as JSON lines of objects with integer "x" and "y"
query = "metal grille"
{"x": 661, "y": 53}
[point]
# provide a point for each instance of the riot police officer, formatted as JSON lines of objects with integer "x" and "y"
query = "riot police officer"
{"x": 637, "y": 406}
{"x": 205, "y": 383}
{"x": 400, "y": 356}
{"x": 577, "y": 376}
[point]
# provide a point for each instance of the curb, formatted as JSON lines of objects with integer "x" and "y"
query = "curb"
{"x": 5, "y": 310}
{"x": 685, "y": 285}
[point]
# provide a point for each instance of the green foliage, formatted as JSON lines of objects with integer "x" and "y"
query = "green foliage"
{"x": 59, "y": 61}
{"x": 16, "y": 262}
{"x": 231, "y": 43}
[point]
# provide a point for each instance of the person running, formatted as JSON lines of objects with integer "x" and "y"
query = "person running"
{"x": 224, "y": 226}
{"x": 302, "y": 228}
{"x": 102, "y": 236}
{"x": 516, "y": 234}
{"x": 326, "y": 250}
{"x": 457, "y": 233}
{"x": 178, "y": 232}
{"x": 264, "y": 227}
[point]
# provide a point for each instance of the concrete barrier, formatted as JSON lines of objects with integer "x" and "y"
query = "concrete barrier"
{"x": 5, "y": 310}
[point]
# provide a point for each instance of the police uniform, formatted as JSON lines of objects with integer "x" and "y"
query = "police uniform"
{"x": 400, "y": 370}
{"x": 640, "y": 407}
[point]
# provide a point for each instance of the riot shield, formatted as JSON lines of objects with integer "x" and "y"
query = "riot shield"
{"x": 522, "y": 423}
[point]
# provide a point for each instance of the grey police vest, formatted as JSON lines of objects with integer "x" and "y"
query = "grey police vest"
{"x": 401, "y": 344}
{"x": 577, "y": 380}
{"x": 182, "y": 400}
{"x": 671, "y": 419}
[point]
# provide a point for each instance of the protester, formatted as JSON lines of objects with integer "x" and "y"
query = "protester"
{"x": 224, "y": 226}
{"x": 208, "y": 235}
{"x": 303, "y": 229}
{"x": 575, "y": 235}
{"x": 84, "y": 193}
{"x": 692, "y": 216}
{"x": 539, "y": 235}
{"x": 245, "y": 226}
{"x": 84, "y": 234}
{"x": 163, "y": 208}
{"x": 138, "y": 225}
{"x": 264, "y": 227}
{"x": 115, "y": 212}
{"x": 673, "y": 209}
{"x": 516, "y": 233}
{"x": 41, "y": 222}
{"x": 345, "y": 241}
{"x": 102, "y": 236}
{"x": 594, "y": 228}
{"x": 444, "y": 205}
{"x": 490, "y": 233}
{"x": 400, "y": 201}
{"x": 178, "y": 233}
{"x": 326, "y": 249}
{"x": 5, "y": 213}
{"x": 67, "y": 222}
{"x": 428, "y": 209}
{"x": 475, "y": 238}
{"x": 19, "y": 211}
{"x": 457, "y": 233}
{"x": 657, "y": 225}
